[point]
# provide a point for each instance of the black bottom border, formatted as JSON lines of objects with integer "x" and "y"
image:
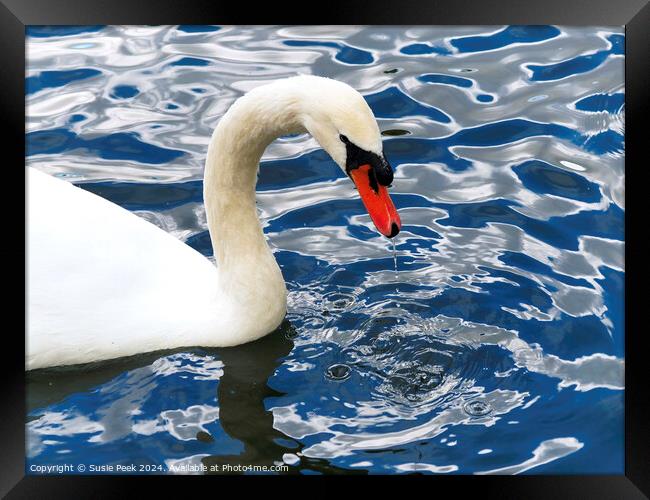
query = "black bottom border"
{"x": 502, "y": 487}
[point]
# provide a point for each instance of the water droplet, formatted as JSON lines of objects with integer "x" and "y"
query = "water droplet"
{"x": 395, "y": 264}
{"x": 477, "y": 408}
{"x": 338, "y": 372}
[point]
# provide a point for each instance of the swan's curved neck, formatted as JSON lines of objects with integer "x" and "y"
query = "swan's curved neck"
{"x": 234, "y": 153}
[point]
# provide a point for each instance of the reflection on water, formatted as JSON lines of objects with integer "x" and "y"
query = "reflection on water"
{"x": 489, "y": 339}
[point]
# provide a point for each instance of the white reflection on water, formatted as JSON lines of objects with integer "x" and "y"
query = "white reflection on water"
{"x": 546, "y": 452}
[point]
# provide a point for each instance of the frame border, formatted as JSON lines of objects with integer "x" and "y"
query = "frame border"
{"x": 634, "y": 14}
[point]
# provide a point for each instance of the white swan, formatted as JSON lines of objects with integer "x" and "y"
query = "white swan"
{"x": 104, "y": 283}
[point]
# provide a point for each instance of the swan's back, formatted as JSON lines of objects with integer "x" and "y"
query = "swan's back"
{"x": 103, "y": 282}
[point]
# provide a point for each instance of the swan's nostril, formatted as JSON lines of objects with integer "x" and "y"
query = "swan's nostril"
{"x": 394, "y": 229}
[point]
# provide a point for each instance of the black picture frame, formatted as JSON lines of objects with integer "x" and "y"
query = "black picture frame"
{"x": 633, "y": 14}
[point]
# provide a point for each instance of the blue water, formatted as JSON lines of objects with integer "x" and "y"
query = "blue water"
{"x": 497, "y": 346}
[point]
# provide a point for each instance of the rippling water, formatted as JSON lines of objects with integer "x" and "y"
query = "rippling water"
{"x": 496, "y": 347}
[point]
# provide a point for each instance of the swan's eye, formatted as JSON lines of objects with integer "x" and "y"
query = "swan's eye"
{"x": 344, "y": 139}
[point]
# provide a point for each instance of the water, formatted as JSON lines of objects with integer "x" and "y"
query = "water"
{"x": 498, "y": 347}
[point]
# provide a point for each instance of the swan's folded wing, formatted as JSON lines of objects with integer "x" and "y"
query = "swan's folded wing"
{"x": 103, "y": 282}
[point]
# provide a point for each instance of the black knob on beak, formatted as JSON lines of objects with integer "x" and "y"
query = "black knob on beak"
{"x": 383, "y": 171}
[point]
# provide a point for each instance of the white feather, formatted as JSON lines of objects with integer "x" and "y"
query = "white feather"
{"x": 104, "y": 283}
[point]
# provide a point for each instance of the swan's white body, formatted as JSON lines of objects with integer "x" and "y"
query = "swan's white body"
{"x": 104, "y": 283}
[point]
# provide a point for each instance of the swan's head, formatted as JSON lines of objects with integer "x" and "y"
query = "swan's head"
{"x": 339, "y": 118}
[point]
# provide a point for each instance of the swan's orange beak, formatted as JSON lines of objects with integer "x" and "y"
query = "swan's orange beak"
{"x": 377, "y": 201}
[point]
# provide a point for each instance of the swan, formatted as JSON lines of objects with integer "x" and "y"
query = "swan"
{"x": 104, "y": 283}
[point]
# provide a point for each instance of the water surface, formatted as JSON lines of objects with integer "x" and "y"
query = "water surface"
{"x": 497, "y": 347}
